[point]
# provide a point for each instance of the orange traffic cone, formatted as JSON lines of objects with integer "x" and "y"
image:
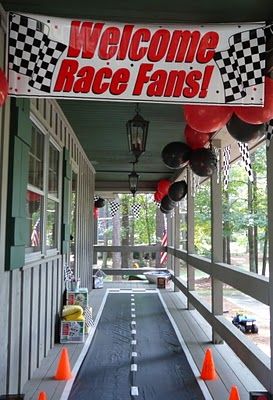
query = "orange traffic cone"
{"x": 42, "y": 396}
{"x": 208, "y": 370}
{"x": 63, "y": 372}
{"x": 234, "y": 393}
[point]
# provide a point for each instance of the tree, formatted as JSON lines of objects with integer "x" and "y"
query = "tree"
{"x": 245, "y": 210}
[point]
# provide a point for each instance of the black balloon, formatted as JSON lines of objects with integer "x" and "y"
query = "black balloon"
{"x": 178, "y": 190}
{"x": 164, "y": 211}
{"x": 203, "y": 162}
{"x": 175, "y": 154}
{"x": 100, "y": 203}
{"x": 167, "y": 204}
{"x": 244, "y": 132}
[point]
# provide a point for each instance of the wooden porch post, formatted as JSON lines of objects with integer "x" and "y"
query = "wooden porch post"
{"x": 190, "y": 237}
{"x": 176, "y": 243}
{"x": 217, "y": 241}
{"x": 169, "y": 240}
{"x": 270, "y": 245}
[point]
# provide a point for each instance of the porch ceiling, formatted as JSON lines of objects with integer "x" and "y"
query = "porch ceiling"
{"x": 100, "y": 126}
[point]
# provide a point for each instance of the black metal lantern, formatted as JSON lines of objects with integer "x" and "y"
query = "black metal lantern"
{"x": 137, "y": 130}
{"x": 133, "y": 180}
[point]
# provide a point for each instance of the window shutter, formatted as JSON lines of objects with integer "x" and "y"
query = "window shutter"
{"x": 20, "y": 140}
{"x": 67, "y": 174}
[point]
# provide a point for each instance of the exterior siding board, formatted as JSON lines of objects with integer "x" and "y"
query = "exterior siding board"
{"x": 41, "y": 314}
{"x": 34, "y": 303}
{"x": 14, "y": 331}
{"x": 25, "y": 327}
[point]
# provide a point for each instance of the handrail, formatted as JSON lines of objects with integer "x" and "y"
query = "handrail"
{"x": 125, "y": 249}
{"x": 248, "y": 283}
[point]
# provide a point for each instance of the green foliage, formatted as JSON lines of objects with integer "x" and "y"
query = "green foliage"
{"x": 245, "y": 204}
{"x": 202, "y": 220}
{"x": 237, "y": 216}
{"x": 144, "y": 225}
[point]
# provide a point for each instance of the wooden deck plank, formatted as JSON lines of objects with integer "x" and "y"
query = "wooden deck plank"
{"x": 230, "y": 369}
{"x": 245, "y": 376}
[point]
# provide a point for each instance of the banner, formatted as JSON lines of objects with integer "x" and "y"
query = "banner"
{"x": 184, "y": 64}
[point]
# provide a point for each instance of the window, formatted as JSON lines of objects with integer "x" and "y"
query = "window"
{"x": 43, "y": 195}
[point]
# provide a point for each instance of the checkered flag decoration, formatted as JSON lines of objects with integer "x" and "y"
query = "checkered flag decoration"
{"x": 269, "y": 132}
{"x": 136, "y": 210}
{"x": 246, "y": 159}
{"x": 243, "y": 64}
{"x": 87, "y": 313}
{"x": 68, "y": 273}
{"x": 194, "y": 183}
{"x": 226, "y": 165}
{"x": 114, "y": 207}
{"x": 31, "y": 52}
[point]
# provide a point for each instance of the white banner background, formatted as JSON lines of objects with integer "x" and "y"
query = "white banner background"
{"x": 158, "y": 73}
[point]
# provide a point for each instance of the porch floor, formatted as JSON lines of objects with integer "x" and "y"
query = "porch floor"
{"x": 194, "y": 330}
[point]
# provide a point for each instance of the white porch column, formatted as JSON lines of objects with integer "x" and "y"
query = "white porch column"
{"x": 190, "y": 236}
{"x": 270, "y": 245}
{"x": 217, "y": 241}
{"x": 176, "y": 243}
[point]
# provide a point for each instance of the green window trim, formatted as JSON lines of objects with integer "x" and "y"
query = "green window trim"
{"x": 67, "y": 176}
{"x": 20, "y": 139}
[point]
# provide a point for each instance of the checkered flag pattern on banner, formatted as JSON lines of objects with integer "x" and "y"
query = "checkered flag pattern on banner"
{"x": 31, "y": 52}
{"x": 88, "y": 317}
{"x": 243, "y": 64}
{"x": 136, "y": 209}
{"x": 269, "y": 132}
{"x": 68, "y": 273}
{"x": 114, "y": 206}
{"x": 246, "y": 159}
{"x": 226, "y": 165}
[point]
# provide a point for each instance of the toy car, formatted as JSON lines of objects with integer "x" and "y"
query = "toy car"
{"x": 245, "y": 323}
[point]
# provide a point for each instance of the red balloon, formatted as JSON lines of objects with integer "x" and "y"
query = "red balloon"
{"x": 258, "y": 115}
{"x": 195, "y": 139}
{"x": 3, "y": 87}
{"x": 96, "y": 212}
{"x": 163, "y": 186}
{"x": 158, "y": 197}
{"x": 207, "y": 119}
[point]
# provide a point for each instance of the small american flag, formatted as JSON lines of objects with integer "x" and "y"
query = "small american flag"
{"x": 163, "y": 254}
{"x": 36, "y": 233}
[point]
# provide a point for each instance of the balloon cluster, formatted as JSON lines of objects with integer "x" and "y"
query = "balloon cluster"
{"x": 168, "y": 194}
{"x": 175, "y": 155}
{"x": 243, "y": 123}
{"x": 3, "y": 87}
{"x": 99, "y": 203}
